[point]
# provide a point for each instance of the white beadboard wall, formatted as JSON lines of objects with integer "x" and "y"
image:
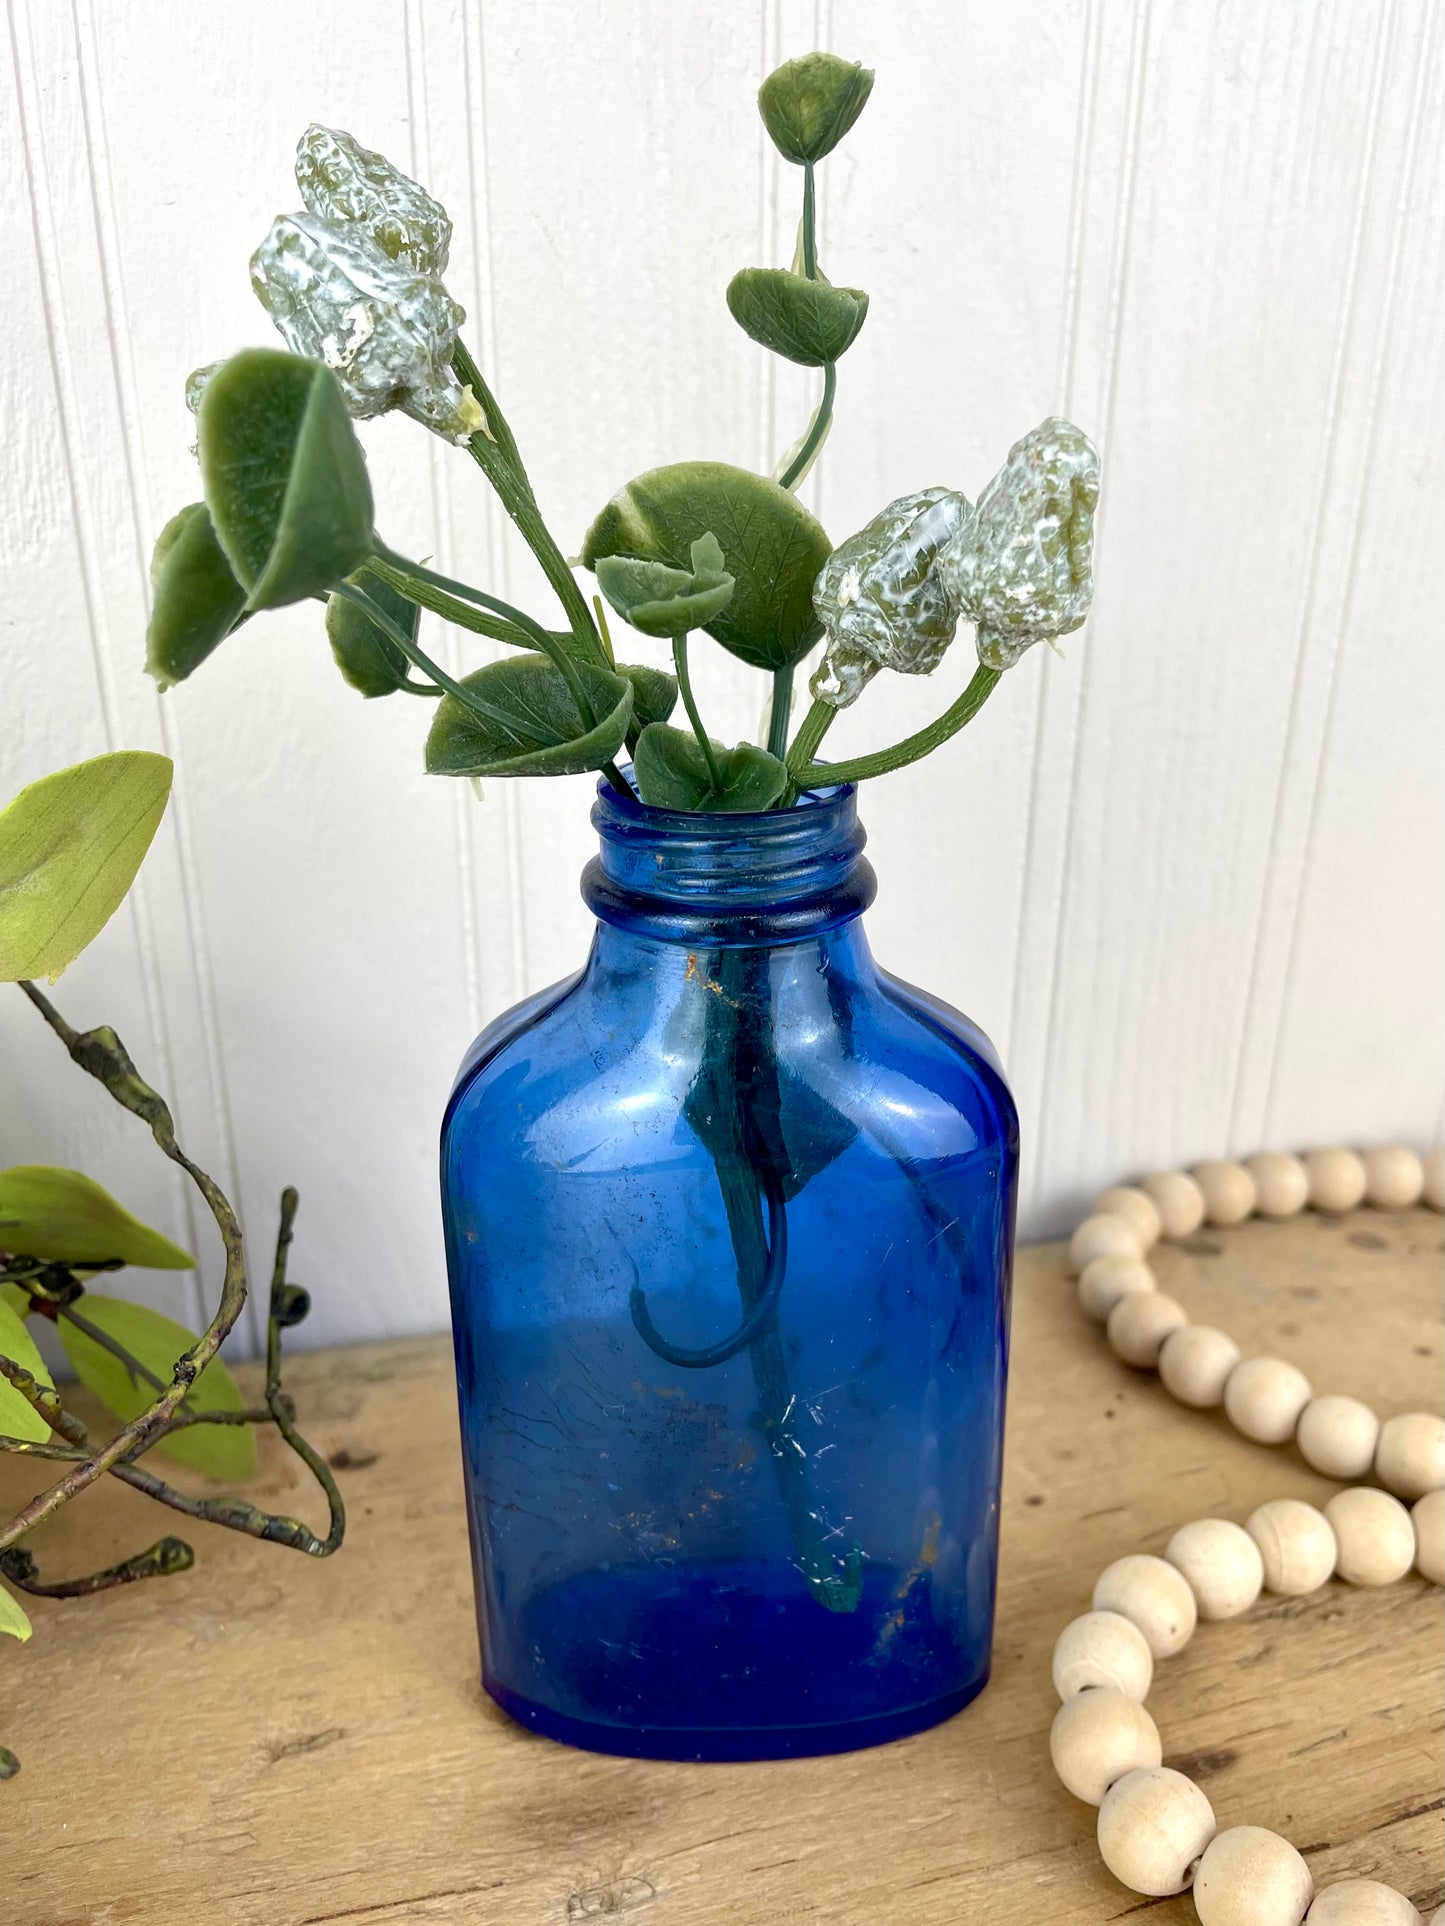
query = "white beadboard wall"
{"x": 1190, "y": 878}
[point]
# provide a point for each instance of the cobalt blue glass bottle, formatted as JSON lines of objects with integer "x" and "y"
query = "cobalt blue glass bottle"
{"x": 729, "y": 1223}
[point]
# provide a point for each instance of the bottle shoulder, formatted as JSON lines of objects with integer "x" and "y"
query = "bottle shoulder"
{"x": 513, "y": 1024}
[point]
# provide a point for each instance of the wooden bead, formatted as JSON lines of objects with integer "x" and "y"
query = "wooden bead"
{"x": 1139, "y": 1324}
{"x": 1264, "y": 1397}
{"x": 1374, "y": 1533}
{"x": 1102, "y": 1237}
{"x": 1296, "y": 1545}
{"x": 1250, "y": 1877}
{"x": 1180, "y": 1202}
{"x": 1153, "y": 1827}
{"x": 1136, "y": 1207}
{"x": 1433, "y": 1193}
{"x": 1338, "y": 1436}
{"x": 1195, "y": 1362}
{"x": 1337, "y": 1180}
{"x": 1105, "y": 1280}
{"x": 1394, "y": 1177}
{"x": 1427, "y": 1515}
{"x": 1228, "y": 1191}
{"x": 1153, "y": 1595}
{"x": 1103, "y": 1648}
{"x": 1410, "y": 1457}
{"x": 1221, "y": 1562}
{"x": 1281, "y": 1185}
{"x": 1099, "y": 1735}
{"x": 1361, "y": 1902}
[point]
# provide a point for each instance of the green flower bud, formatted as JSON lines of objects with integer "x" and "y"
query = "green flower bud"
{"x": 664, "y": 601}
{"x": 808, "y": 105}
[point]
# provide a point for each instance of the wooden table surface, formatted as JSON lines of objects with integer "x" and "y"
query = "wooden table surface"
{"x": 269, "y": 1741}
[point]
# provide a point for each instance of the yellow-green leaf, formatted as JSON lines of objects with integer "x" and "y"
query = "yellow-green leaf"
{"x": 18, "y": 1416}
{"x": 67, "y": 1218}
{"x": 156, "y": 1341}
{"x": 70, "y": 846}
{"x": 12, "y": 1617}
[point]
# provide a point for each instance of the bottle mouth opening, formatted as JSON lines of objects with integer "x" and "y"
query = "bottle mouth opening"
{"x": 612, "y": 804}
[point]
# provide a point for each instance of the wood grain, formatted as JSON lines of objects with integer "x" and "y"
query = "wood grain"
{"x": 330, "y": 1757}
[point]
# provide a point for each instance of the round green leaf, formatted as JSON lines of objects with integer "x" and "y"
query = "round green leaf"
{"x": 809, "y": 104}
{"x": 807, "y": 321}
{"x": 369, "y": 660}
{"x": 654, "y": 693}
{"x": 155, "y": 1341}
{"x": 774, "y": 550}
{"x": 284, "y": 475}
{"x": 530, "y": 725}
{"x": 658, "y": 600}
{"x": 196, "y": 600}
{"x": 672, "y": 773}
{"x": 18, "y": 1416}
{"x": 70, "y": 846}
{"x": 66, "y": 1218}
{"x": 13, "y": 1621}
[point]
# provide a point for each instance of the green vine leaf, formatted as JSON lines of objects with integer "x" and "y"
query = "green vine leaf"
{"x": 66, "y": 1218}
{"x": 654, "y": 692}
{"x": 196, "y": 601}
{"x": 531, "y": 725}
{"x": 70, "y": 846}
{"x": 156, "y": 1341}
{"x": 13, "y": 1621}
{"x": 369, "y": 660}
{"x": 18, "y": 1416}
{"x": 660, "y": 600}
{"x": 809, "y": 104}
{"x": 806, "y": 321}
{"x": 284, "y": 475}
{"x": 774, "y": 550}
{"x": 672, "y": 773}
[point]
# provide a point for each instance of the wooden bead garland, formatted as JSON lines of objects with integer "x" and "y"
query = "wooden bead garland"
{"x": 1156, "y": 1829}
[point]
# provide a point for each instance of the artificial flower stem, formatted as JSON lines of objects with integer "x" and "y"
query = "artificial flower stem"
{"x": 810, "y": 224}
{"x": 467, "y": 371}
{"x": 778, "y": 715}
{"x": 883, "y": 761}
{"x": 426, "y": 596}
{"x": 798, "y": 466}
{"x": 815, "y": 726}
{"x": 684, "y": 683}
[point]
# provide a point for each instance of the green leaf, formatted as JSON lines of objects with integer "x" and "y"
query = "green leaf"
{"x": 672, "y": 773}
{"x": 70, "y": 846}
{"x": 807, "y": 321}
{"x": 664, "y": 601}
{"x": 654, "y": 692}
{"x": 809, "y": 104}
{"x": 12, "y": 1620}
{"x": 196, "y": 600}
{"x": 284, "y": 475}
{"x": 18, "y": 1416}
{"x": 532, "y": 726}
{"x": 369, "y": 660}
{"x": 774, "y": 550}
{"x": 224, "y": 1451}
{"x": 67, "y": 1218}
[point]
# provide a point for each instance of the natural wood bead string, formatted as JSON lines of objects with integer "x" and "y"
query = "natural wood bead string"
{"x": 1156, "y": 1829}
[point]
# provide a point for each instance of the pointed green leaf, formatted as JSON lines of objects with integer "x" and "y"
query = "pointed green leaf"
{"x": 18, "y": 1300}
{"x": 370, "y": 660}
{"x": 807, "y": 321}
{"x": 809, "y": 104}
{"x": 18, "y": 1416}
{"x": 196, "y": 600}
{"x": 672, "y": 773}
{"x": 13, "y": 1621}
{"x": 70, "y": 846}
{"x": 773, "y": 546}
{"x": 155, "y": 1341}
{"x": 531, "y": 725}
{"x": 66, "y": 1217}
{"x": 654, "y": 692}
{"x": 284, "y": 475}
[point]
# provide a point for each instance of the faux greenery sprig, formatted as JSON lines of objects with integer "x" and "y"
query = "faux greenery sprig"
{"x": 354, "y": 284}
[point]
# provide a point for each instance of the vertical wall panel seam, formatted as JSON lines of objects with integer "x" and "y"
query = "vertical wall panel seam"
{"x": 97, "y": 157}
{"x": 1334, "y": 409}
{"x": 1404, "y": 209}
{"x": 1138, "y": 88}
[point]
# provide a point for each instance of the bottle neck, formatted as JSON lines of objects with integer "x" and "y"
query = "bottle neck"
{"x": 784, "y": 876}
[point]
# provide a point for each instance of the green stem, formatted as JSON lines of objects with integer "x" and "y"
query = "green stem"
{"x": 684, "y": 683}
{"x": 883, "y": 761}
{"x": 467, "y": 371}
{"x": 778, "y": 715}
{"x": 798, "y": 466}
{"x": 810, "y": 224}
{"x": 815, "y": 726}
{"x": 417, "y": 590}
